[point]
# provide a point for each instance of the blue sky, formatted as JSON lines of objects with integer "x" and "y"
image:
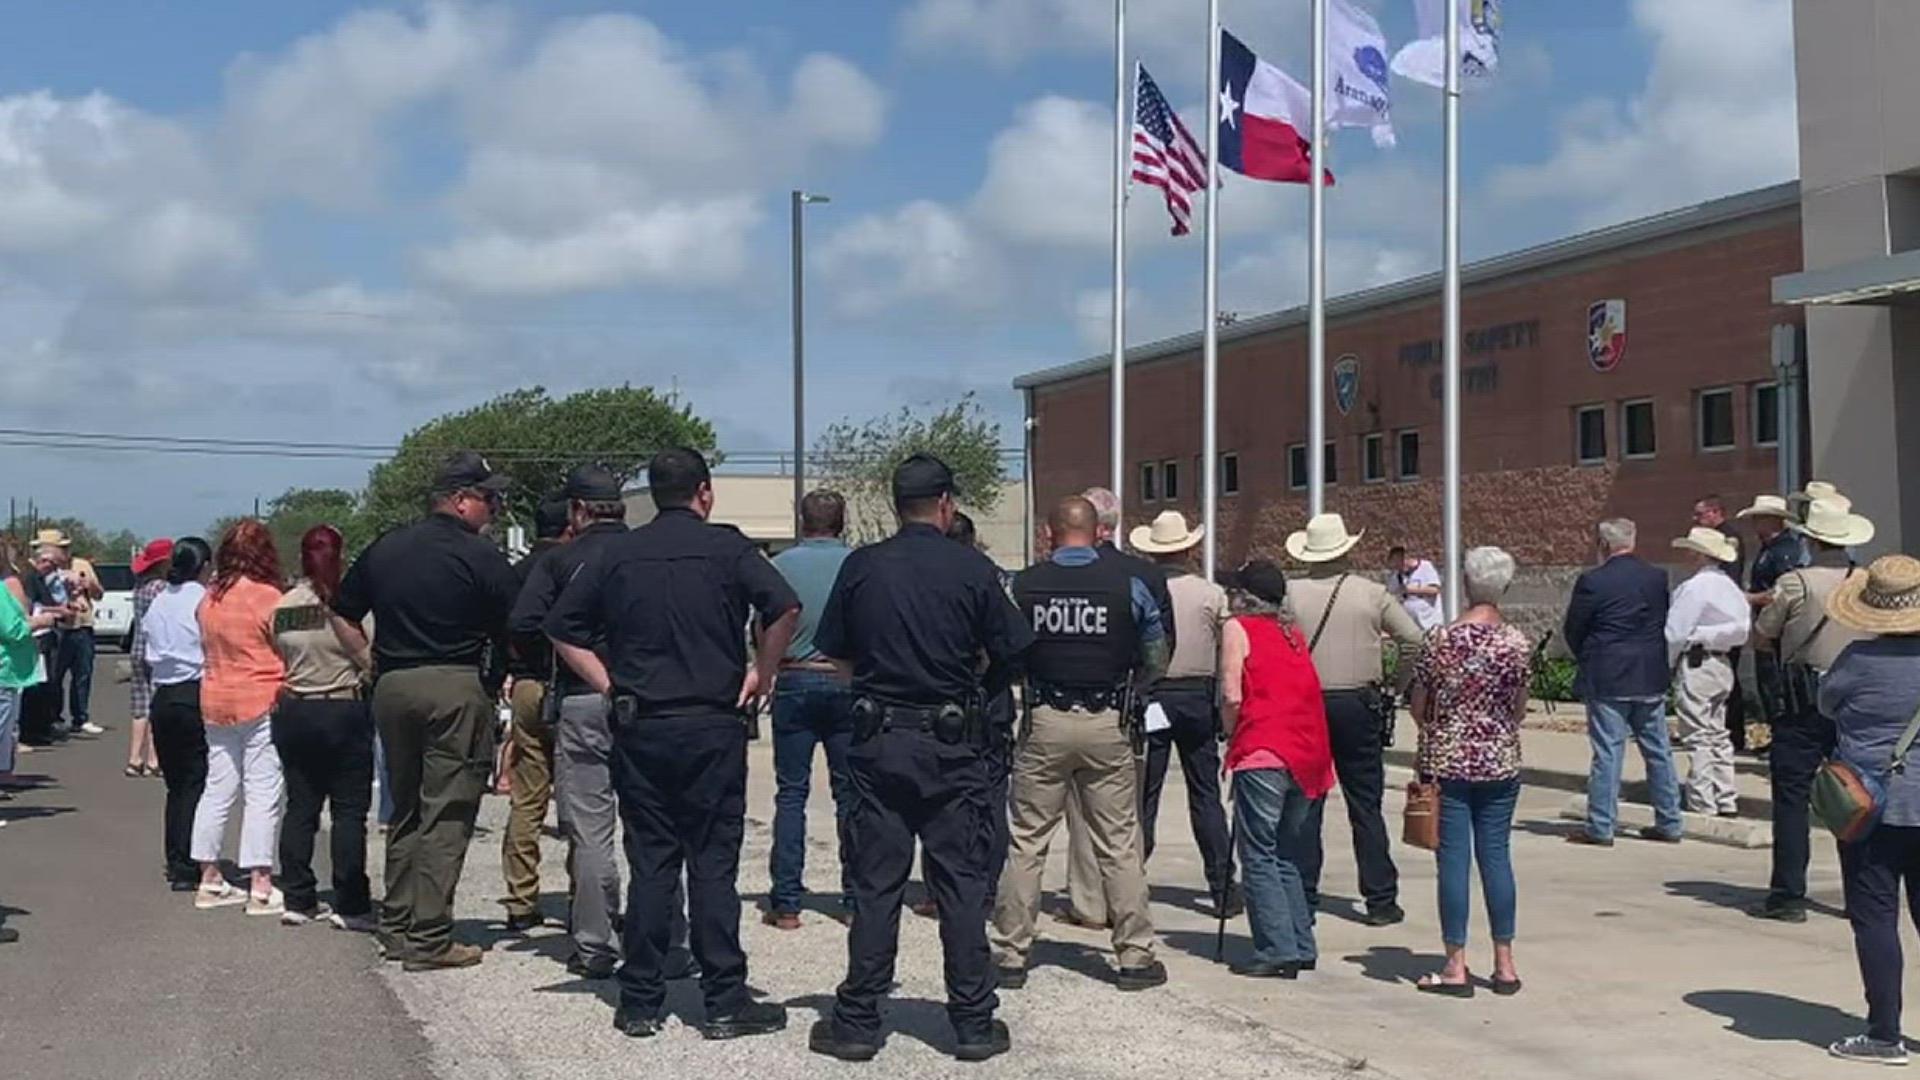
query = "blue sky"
{"x": 330, "y": 222}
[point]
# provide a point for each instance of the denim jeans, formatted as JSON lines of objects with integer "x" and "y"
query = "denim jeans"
{"x": 1270, "y": 814}
{"x": 809, "y": 707}
{"x": 73, "y": 672}
{"x": 1609, "y": 721}
{"x": 9, "y": 725}
{"x": 1873, "y": 871}
{"x": 1476, "y": 822}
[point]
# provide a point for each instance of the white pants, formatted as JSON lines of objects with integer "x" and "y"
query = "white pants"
{"x": 240, "y": 756}
{"x": 1700, "y": 700}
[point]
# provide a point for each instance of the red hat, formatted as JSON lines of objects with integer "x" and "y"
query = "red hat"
{"x": 155, "y": 553}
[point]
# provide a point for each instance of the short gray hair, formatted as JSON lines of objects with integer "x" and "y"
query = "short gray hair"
{"x": 1618, "y": 534}
{"x": 1488, "y": 572}
{"x": 1105, "y": 504}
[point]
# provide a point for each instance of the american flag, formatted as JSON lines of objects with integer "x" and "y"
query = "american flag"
{"x": 1164, "y": 153}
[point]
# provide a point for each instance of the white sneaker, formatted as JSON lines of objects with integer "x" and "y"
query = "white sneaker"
{"x": 221, "y": 895}
{"x": 359, "y": 924}
{"x": 271, "y": 904}
{"x": 90, "y": 728}
{"x": 300, "y": 918}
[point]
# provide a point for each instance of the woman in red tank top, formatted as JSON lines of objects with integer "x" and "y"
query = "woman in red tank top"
{"x": 1280, "y": 759}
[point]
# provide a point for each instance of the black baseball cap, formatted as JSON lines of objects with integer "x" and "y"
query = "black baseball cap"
{"x": 466, "y": 470}
{"x": 1261, "y": 578}
{"x": 593, "y": 483}
{"x": 922, "y": 476}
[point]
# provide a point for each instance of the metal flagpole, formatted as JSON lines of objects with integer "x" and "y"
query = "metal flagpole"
{"x": 1210, "y": 308}
{"x": 1317, "y": 276}
{"x": 1450, "y": 243}
{"x": 1122, "y": 154}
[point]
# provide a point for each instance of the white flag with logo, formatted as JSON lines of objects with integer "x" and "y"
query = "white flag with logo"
{"x": 1422, "y": 59}
{"x": 1357, "y": 58}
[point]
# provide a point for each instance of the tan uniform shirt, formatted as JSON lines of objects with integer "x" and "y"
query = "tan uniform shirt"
{"x": 1349, "y": 654}
{"x": 1199, "y": 607}
{"x": 317, "y": 663}
{"x": 1798, "y": 609}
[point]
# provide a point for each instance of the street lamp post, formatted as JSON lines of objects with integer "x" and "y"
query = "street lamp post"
{"x": 800, "y": 201}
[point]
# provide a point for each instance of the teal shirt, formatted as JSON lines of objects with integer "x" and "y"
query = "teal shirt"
{"x": 810, "y": 567}
{"x": 19, "y": 656}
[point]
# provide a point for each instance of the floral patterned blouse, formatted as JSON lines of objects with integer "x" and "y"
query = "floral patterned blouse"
{"x": 1474, "y": 675}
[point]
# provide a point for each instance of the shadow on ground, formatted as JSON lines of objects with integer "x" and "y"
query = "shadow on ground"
{"x": 1395, "y": 963}
{"x": 1738, "y": 897}
{"x": 914, "y": 1018}
{"x": 1778, "y": 1018}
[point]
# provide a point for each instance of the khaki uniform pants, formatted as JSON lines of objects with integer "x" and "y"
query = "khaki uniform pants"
{"x": 532, "y": 783}
{"x": 436, "y": 723}
{"x": 1700, "y": 701}
{"x": 1069, "y": 753}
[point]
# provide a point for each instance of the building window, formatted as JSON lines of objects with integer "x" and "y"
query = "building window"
{"x": 1149, "y": 488}
{"x": 1766, "y": 414}
{"x": 1229, "y": 474}
{"x": 1170, "y": 480}
{"x": 1409, "y": 455}
{"x": 1637, "y": 429}
{"x": 1713, "y": 420}
{"x": 1373, "y": 458}
{"x": 1297, "y": 466}
{"x": 1332, "y": 462}
{"x": 1590, "y": 434}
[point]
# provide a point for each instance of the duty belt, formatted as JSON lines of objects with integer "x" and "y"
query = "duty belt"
{"x": 949, "y": 722}
{"x": 1095, "y": 699}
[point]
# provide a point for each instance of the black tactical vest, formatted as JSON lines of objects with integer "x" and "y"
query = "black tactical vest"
{"x": 1082, "y": 620}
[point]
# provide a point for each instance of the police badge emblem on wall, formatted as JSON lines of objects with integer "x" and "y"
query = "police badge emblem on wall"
{"x": 1607, "y": 334}
{"x": 1346, "y": 382}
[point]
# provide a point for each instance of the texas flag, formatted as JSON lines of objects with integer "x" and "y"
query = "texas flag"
{"x": 1263, "y": 115}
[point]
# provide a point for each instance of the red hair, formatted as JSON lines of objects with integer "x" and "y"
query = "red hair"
{"x": 247, "y": 551}
{"x": 320, "y": 549}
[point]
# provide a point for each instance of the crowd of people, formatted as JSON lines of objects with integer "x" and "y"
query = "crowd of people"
{"x": 633, "y": 665}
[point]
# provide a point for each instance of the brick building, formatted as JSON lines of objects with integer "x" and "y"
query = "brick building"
{"x": 1550, "y": 442}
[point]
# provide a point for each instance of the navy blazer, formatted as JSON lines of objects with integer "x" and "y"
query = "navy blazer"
{"x": 1617, "y": 630}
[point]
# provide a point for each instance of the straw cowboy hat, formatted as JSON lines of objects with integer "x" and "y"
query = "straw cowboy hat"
{"x": 1815, "y": 491}
{"x": 51, "y": 538}
{"x": 1884, "y": 600}
{"x": 1768, "y": 506}
{"x": 1167, "y": 534}
{"x": 1829, "y": 522}
{"x": 1323, "y": 540}
{"x": 1712, "y": 543}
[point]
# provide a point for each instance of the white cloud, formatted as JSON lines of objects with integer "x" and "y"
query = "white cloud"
{"x": 835, "y": 104}
{"x": 1007, "y": 31}
{"x": 673, "y": 243}
{"x": 1049, "y": 175}
{"x": 922, "y": 251}
{"x": 1717, "y": 115}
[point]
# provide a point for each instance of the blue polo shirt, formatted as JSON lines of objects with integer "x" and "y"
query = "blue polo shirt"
{"x": 811, "y": 567}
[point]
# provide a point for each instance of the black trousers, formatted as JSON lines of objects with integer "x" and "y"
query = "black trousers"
{"x": 1800, "y": 743}
{"x": 1737, "y": 706}
{"x": 180, "y": 742}
{"x": 1874, "y": 870}
{"x": 1359, "y": 761}
{"x": 40, "y": 705}
{"x": 326, "y": 753}
{"x": 908, "y": 784}
{"x": 1195, "y": 720}
{"x": 999, "y": 758}
{"x": 682, "y": 786}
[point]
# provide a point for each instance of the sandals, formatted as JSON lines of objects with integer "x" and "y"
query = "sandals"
{"x": 1506, "y": 987}
{"x": 1432, "y": 984}
{"x": 133, "y": 772}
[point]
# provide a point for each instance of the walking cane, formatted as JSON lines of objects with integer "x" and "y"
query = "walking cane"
{"x": 1220, "y": 905}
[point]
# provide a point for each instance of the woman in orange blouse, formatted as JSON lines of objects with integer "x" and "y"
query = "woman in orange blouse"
{"x": 237, "y": 694}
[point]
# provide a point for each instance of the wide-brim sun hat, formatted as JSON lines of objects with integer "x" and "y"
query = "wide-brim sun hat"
{"x": 1768, "y": 506}
{"x": 1816, "y": 491}
{"x": 1323, "y": 540}
{"x": 1884, "y": 600}
{"x": 1168, "y": 534}
{"x": 1712, "y": 543}
{"x": 1829, "y": 522}
{"x": 51, "y": 538}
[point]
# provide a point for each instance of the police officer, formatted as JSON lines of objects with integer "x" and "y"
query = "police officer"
{"x": 1781, "y": 550}
{"x": 1795, "y": 628}
{"x": 1344, "y": 616}
{"x": 667, "y": 605}
{"x": 999, "y": 738}
{"x": 530, "y": 768}
{"x": 912, "y": 616}
{"x": 1098, "y": 634}
{"x": 439, "y": 593}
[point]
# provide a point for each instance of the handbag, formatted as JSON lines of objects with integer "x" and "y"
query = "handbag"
{"x": 1420, "y": 825}
{"x": 1849, "y": 800}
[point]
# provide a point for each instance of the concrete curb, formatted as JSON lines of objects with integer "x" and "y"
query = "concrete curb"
{"x": 1733, "y": 832}
{"x": 1754, "y": 808}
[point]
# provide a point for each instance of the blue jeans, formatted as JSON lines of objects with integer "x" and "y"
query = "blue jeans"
{"x": 9, "y": 725}
{"x": 809, "y": 707}
{"x": 73, "y": 672}
{"x": 1609, "y": 720}
{"x": 1270, "y": 813}
{"x": 1476, "y": 821}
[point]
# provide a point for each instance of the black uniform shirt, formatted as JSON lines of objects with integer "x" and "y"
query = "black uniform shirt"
{"x": 546, "y": 577}
{"x": 914, "y": 613}
{"x": 1784, "y": 552}
{"x": 666, "y": 605}
{"x": 531, "y": 655}
{"x": 439, "y": 593}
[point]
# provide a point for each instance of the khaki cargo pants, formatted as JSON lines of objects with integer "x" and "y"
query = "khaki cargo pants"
{"x": 532, "y": 784}
{"x": 1068, "y": 753}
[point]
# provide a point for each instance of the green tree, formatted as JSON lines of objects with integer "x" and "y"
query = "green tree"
{"x": 298, "y": 509}
{"x": 858, "y": 460}
{"x": 535, "y": 440}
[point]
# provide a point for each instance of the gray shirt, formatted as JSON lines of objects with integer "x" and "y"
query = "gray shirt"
{"x": 1871, "y": 695}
